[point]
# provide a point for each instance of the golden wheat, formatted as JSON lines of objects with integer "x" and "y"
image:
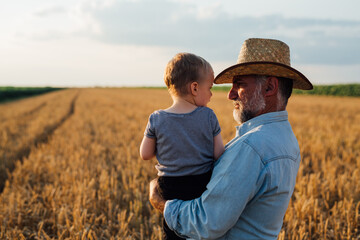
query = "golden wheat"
{"x": 88, "y": 182}
{"x": 25, "y": 123}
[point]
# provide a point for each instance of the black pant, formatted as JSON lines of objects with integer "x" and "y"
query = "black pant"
{"x": 184, "y": 188}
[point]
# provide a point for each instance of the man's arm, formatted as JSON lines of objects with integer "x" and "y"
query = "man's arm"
{"x": 155, "y": 198}
{"x": 236, "y": 178}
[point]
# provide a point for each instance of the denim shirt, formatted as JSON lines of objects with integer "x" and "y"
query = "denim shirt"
{"x": 250, "y": 187}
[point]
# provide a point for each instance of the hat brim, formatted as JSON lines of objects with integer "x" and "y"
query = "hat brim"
{"x": 264, "y": 68}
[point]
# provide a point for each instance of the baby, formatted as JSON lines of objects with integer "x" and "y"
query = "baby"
{"x": 186, "y": 136}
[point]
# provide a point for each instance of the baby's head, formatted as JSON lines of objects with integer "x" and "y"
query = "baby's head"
{"x": 182, "y": 70}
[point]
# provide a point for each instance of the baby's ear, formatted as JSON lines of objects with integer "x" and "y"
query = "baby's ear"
{"x": 194, "y": 88}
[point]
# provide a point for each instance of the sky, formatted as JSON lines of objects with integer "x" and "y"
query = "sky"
{"x": 116, "y": 43}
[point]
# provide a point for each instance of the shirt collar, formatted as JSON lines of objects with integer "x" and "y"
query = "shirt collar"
{"x": 261, "y": 120}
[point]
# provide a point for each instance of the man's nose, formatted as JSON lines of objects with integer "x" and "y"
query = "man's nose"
{"x": 232, "y": 95}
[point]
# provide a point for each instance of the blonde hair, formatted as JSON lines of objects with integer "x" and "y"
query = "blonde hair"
{"x": 182, "y": 69}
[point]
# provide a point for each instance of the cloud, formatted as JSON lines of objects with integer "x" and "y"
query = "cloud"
{"x": 214, "y": 34}
{"x": 207, "y": 30}
{"x": 49, "y": 11}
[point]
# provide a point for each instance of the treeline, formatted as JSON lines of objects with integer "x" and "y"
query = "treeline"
{"x": 351, "y": 90}
{"x": 13, "y": 93}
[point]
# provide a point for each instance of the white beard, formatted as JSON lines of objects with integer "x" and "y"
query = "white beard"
{"x": 248, "y": 108}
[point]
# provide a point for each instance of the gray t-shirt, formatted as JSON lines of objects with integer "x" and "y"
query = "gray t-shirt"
{"x": 184, "y": 142}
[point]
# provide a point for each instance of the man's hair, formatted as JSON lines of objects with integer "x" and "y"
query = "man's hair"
{"x": 182, "y": 69}
{"x": 285, "y": 89}
{"x": 260, "y": 79}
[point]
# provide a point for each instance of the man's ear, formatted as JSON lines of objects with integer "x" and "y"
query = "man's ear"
{"x": 272, "y": 86}
{"x": 194, "y": 88}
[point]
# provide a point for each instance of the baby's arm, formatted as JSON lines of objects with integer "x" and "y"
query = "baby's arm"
{"x": 218, "y": 146}
{"x": 148, "y": 148}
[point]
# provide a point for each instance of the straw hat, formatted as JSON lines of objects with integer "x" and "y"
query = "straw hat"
{"x": 264, "y": 57}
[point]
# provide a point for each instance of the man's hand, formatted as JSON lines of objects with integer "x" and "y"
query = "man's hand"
{"x": 155, "y": 198}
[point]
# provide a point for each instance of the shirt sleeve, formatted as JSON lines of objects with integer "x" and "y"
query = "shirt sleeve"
{"x": 214, "y": 124}
{"x": 236, "y": 178}
{"x": 150, "y": 127}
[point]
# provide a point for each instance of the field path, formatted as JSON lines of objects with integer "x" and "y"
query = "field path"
{"x": 26, "y": 129}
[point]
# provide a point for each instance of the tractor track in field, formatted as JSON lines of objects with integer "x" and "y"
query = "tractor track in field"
{"x": 28, "y": 113}
{"x": 34, "y": 110}
{"x": 41, "y": 138}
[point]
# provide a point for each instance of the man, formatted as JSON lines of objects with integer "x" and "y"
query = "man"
{"x": 253, "y": 180}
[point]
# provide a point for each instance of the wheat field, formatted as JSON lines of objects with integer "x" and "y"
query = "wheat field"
{"x": 70, "y": 168}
